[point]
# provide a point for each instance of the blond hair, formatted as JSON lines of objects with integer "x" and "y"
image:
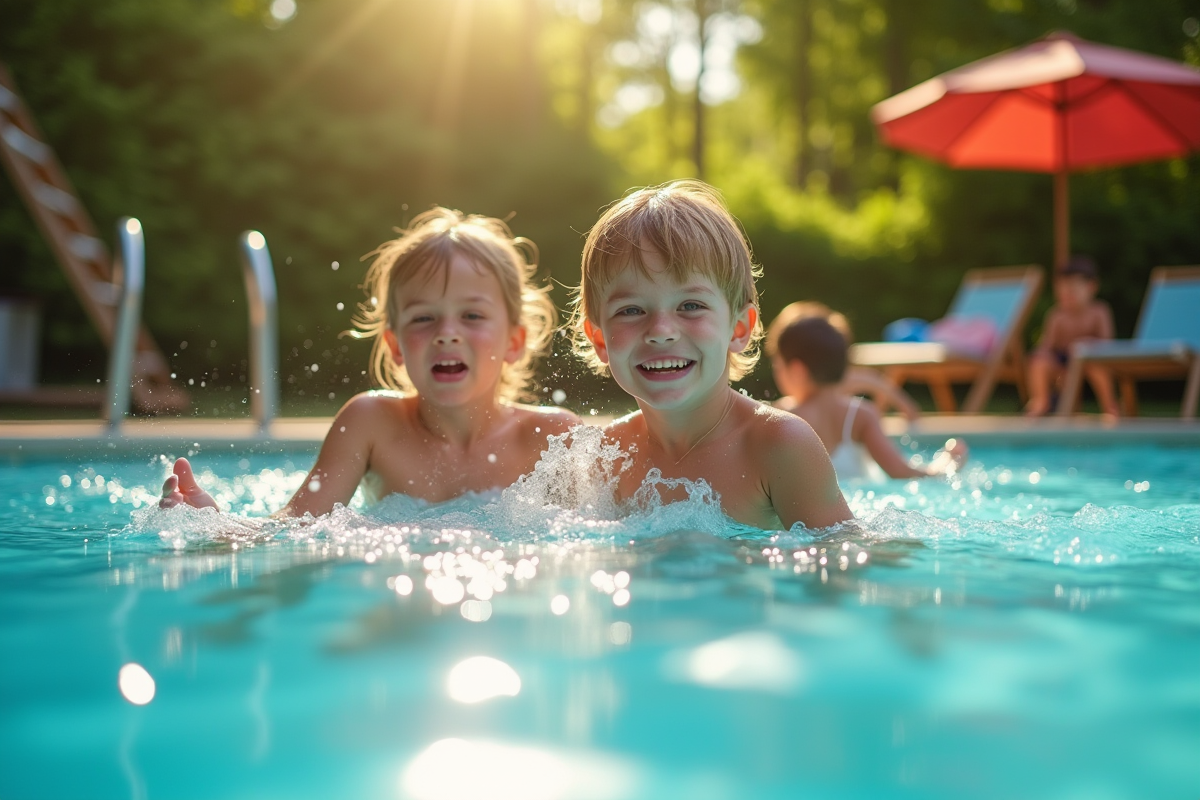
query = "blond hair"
{"x": 687, "y": 224}
{"x": 426, "y": 248}
{"x": 804, "y": 309}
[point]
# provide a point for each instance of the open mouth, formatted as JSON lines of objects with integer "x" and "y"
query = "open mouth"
{"x": 665, "y": 367}
{"x": 449, "y": 367}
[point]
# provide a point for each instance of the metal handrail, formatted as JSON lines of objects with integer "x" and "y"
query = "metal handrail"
{"x": 130, "y": 273}
{"x": 264, "y": 328}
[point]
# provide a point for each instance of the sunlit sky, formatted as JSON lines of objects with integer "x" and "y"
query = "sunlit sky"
{"x": 666, "y": 34}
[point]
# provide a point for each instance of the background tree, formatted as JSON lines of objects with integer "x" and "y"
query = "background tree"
{"x": 325, "y": 123}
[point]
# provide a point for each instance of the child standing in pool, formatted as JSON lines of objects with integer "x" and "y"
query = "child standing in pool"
{"x": 808, "y": 359}
{"x": 1076, "y": 316}
{"x": 667, "y": 304}
{"x": 457, "y": 325}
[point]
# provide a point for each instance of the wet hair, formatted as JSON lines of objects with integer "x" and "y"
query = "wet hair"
{"x": 687, "y": 224}
{"x": 1080, "y": 265}
{"x": 816, "y": 343}
{"x": 424, "y": 251}
{"x": 804, "y": 309}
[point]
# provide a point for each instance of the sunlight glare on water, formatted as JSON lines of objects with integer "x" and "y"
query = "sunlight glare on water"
{"x": 574, "y": 647}
{"x": 454, "y": 769}
{"x": 482, "y": 678}
{"x": 136, "y": 684}
{"x": 754, "y": 661}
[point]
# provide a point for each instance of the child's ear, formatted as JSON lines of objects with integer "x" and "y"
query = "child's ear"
{"x": 393, "y": 346}
{"x": 516, "y": 345}
{"x": 596, "y": 337}
{"x": 743, "y": 328}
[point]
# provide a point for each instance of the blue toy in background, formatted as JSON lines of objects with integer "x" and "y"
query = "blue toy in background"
{"x": 909, "y": 329}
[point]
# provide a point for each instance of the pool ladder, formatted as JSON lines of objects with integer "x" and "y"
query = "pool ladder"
{"x": 129, "y": 278}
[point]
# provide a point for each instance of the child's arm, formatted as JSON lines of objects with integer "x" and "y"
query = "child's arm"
{"x": 1048, "y": 341}
{"x": 340, "y": 466}
{"x": 801, "y": 483}
{"x": 863, "y": 380}
{"x": 870, "y": 433}
{"x": 343, "y": 460}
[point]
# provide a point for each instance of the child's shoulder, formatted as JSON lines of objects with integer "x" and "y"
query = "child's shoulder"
{"x": 375, "y": 405}
{"x": 628, "y": 423}
{"x": 774, "y": 434}
{"x": 777, "y": 427}
{"x": 379, "y": 399}
{"x": 781, "y": 441}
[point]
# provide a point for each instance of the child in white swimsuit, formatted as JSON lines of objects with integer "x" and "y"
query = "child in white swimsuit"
{"x": 851, "y": 461}
{"x": 808, "y": 357}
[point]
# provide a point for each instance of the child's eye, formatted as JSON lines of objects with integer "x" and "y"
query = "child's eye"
{"x": 692, "y": 305}
{"x": 628, "y": 311}
{"x": 473, "y": 315}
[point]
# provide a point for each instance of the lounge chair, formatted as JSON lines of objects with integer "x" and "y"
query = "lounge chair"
{"x": 1003, "y": 295}
{"x": 1166, "y": 344}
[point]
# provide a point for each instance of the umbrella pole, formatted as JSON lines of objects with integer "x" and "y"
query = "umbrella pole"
{"x": 1062, "y": 219}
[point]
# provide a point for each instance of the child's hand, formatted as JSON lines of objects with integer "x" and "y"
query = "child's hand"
{"x": 181, "y": 487}
{"x": 950, "y": 458}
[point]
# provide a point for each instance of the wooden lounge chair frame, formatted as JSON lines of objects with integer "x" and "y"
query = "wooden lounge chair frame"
{"x": 940, "y": 367}
{"x": 1146, "y": 356}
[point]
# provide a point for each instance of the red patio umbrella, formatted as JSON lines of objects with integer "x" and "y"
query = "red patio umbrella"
{"x": 1058, "y": 105}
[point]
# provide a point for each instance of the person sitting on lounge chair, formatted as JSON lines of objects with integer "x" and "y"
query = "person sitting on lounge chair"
{"x": 1076, "y": 316}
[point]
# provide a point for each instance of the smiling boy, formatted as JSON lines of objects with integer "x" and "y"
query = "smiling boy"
{"x": 667, "y": 305}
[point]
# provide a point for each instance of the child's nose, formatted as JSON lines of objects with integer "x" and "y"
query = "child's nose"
{"x": 447, "y": 334}
{"x": 662, "y": 329}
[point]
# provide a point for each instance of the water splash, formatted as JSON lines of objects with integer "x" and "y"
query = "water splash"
{"x": 565, "y": 511}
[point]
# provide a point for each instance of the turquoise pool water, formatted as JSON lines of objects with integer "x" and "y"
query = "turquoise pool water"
{"x": 1031, "y": 629}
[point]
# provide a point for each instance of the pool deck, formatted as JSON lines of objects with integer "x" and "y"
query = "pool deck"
{"x": 296, "y": 434}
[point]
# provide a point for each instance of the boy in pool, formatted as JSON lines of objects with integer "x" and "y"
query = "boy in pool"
{"x": 808, "y": 359}
{"x": 1076, "y": 316}
{"x": 856, "y": 380}
{"x": 457, "y": 325}
{"x": 667, "y": 304}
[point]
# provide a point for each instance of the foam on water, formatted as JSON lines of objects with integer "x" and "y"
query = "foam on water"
{"x": 569, "y": 496}
{"x": 567, "y": 505}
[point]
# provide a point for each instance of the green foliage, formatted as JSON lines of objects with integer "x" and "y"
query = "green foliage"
{"x": 325, "y": 135}
{"x": 328, "y": 131}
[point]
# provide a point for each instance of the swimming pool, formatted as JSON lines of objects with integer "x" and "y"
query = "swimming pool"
{"x": 1031, "y": 629}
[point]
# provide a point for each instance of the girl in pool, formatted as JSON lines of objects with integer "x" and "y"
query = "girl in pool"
{"x": 457, "y": 325}
{"x": 808, "y": 358}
